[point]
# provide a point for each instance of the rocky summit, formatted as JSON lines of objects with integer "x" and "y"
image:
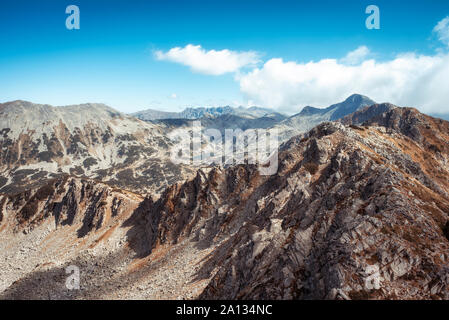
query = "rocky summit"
{"x": 358, "y": 209}
{"x": 41, "y": 142}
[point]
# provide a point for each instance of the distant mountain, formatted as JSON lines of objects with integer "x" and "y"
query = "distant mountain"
{"x": 339, "y": 110}
{"x": 151, "y": 114}
{"x": 262, "y": 118}
{"x": 310, "y": 117}
{"x": 226, "y": 121}
{"x": 350, "y": 105}
{"x": 258, "y": 112}
{"x": 188, "y": 113}
{"x": 256, "y": 117}
{"x": 198, "y": 113}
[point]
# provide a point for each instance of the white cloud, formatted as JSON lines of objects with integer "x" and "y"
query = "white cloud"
{"x": 356, "y": 56}
{"x": 210, "y": 62}
{"x": 407, "y": 80}
{"x": 442, "y": 30}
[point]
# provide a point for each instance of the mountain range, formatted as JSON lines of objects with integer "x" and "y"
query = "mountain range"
{"x": 42, "y": 142}
{"x": 358, "y": 208}
{"x": 200, "y": 112}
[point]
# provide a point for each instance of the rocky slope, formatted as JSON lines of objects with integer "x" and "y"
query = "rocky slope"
{"x": 73, "y": 222}
{"x": 356, "y": 211}
{"x": 41, "y": 142}
{"x": 366, "y": 113}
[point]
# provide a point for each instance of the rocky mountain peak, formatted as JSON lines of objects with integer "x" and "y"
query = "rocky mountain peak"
{"x": 350, "y": 105}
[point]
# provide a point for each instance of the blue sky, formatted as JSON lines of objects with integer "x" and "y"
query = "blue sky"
{"x": 111, "y": 58}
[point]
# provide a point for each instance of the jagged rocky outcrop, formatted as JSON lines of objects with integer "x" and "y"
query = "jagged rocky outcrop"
{"x": 68, "y": 221}
{"x": 68, "y": 201}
